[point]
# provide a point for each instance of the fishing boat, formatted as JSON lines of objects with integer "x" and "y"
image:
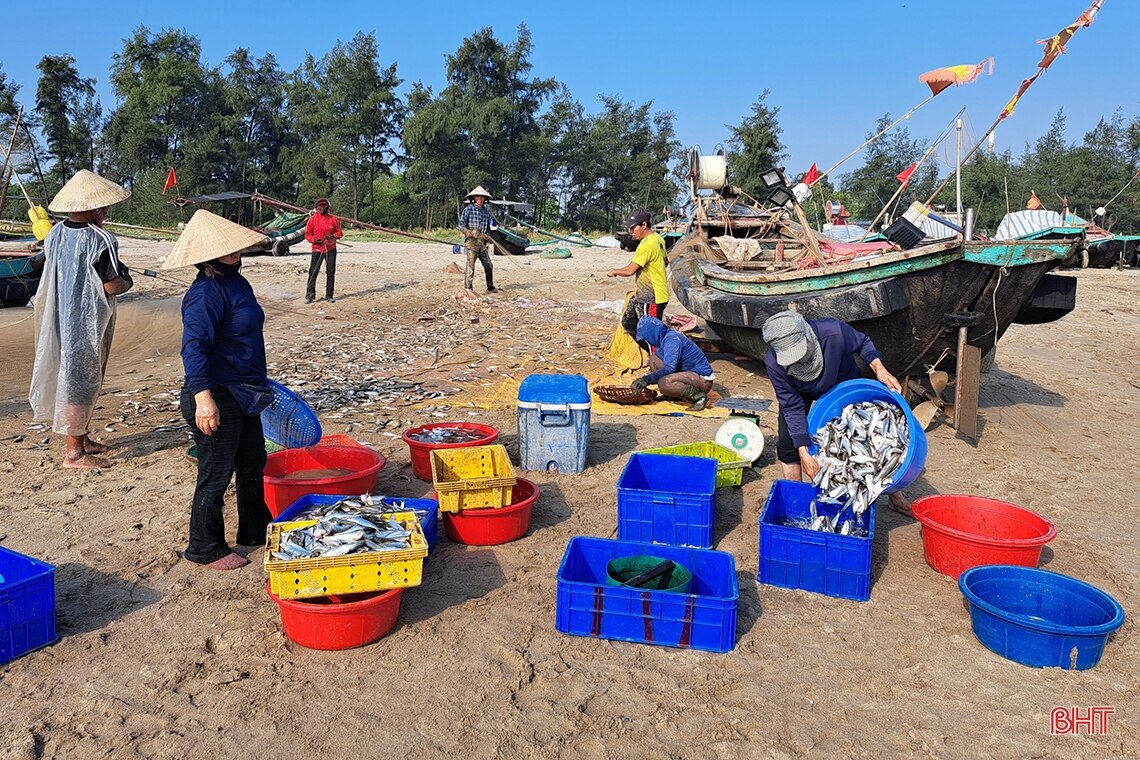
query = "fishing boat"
{"x": 19, "y": 278}
{"x": 281, "y": 232}
{"x": 739, "y": 263}
{"x": 512, "y": 241}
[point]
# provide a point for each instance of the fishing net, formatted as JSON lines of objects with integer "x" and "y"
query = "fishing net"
{"x": 289, "y": 421}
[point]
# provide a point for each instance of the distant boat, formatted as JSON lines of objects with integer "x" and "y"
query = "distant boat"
{"x": 513, "y": 241}
{"x": 19, "y": 278}
{"x": 740, "y": 263}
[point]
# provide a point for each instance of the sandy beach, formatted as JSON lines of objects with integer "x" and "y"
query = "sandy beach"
{"x": 160, "y": 658}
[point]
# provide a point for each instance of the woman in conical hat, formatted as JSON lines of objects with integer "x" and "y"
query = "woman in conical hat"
{"x": 226, "y": 389}
{"x": 75, "y": 313}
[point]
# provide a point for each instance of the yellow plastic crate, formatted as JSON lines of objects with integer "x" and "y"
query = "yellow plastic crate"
{"x": 349, "y": 573}
{"x": 473, "y": 477}
{"x": 730, "y": 466}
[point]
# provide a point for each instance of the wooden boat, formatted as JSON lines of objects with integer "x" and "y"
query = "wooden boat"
{"x": 508, "y": 241}
{"x": 1117, "y": 251}
{"x": 19, "y": 278}
{"x": 909, "y": 302}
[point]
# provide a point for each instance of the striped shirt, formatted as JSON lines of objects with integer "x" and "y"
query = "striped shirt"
{"x": 475, "y": 218}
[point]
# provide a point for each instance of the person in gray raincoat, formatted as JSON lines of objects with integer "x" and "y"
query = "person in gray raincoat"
{"x": 75, "y": 313}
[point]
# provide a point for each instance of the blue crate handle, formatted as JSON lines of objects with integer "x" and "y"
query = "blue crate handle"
{"x": 554, "y": 415}
{"x": 663, "y": 499}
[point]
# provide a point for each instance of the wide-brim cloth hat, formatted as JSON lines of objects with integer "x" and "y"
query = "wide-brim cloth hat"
{"x": 636, "y": 217}
{"x": 322, "y": 202}
{"x": 87, "y": 191}
{"x": 208, "y": 237}
{"x": 796, "y": 345}
{"x": 479, "y": 190}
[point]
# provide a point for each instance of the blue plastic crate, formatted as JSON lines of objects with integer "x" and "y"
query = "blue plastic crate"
{"x": 427, "y": 509}
{"x": 554, "y": 422}
{"x": 666, "y": 499}
{"x": 705, "y": 618}
{"x": 826, "y": 563}
{"x": 27, "y": 605}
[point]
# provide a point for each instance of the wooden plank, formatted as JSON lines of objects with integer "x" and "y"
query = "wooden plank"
{"x": 966, "y": 388}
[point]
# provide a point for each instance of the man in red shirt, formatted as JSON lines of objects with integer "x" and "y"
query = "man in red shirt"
{"x": 322, "y": 230}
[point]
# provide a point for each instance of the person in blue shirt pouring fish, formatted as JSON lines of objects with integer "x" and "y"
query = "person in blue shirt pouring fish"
{"x": 806, "y": 358}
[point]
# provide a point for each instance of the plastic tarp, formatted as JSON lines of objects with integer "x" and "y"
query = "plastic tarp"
{"x": 75, "y": 321}
{"x": 227, "y": 195}
{"x": 936, "y": 230}
{"x": 1018, "y": 224}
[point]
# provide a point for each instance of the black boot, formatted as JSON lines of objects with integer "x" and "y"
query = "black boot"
{"x": 698, "y": 397}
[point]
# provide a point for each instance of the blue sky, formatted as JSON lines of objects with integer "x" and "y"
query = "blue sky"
{"x": 831, "y": 66}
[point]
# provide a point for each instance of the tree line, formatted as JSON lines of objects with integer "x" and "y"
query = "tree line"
{"x": 336, "y": 127}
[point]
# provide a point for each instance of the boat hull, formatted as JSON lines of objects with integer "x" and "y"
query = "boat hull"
{"x": 508, "y": 241}
{"x": 903, "y": 311}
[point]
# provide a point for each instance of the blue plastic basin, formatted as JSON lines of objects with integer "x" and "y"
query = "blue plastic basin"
{"x": 1039, "y": 618}
{"x": 830, "y": 405}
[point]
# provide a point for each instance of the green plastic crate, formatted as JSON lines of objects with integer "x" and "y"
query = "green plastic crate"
{"x": 730, "y": 466}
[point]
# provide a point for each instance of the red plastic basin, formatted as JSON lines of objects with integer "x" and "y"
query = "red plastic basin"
{"x": 362, "y": 466}
{"x": 339, "y": 622}
{"x": 488, "y": 527}
{"x": 960, "y": 532}
{"x": 421, "y": 452}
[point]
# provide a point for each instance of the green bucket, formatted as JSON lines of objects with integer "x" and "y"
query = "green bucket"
{"x": 624, "y": 569}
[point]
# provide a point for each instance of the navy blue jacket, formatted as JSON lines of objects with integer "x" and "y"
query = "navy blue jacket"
{"x": 677, "y": 353}
{"x": 223, "y": 343}
{"x": 839, "y": 342}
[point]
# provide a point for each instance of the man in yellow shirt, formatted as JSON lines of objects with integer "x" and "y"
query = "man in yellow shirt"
{"x": 648, "y": 263}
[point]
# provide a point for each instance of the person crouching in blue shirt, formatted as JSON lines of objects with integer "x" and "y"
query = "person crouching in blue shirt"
{"x": 223, "y": 353}
{"x": 806, "y": 358}
{"x": 679, "y": 369}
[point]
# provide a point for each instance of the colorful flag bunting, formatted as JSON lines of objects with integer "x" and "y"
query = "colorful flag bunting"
{"x": 1020, "y": 91}
{"x": 171, "y": 181}
{"x": 1055, "y": 45}
{"x": 939, "y": 79}
{"x": 904, "y": 175}
{"x": 812, "y": 175}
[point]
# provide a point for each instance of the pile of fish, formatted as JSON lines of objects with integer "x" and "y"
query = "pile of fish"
{"x": 356, "y": 524}
{"x": 366, "y": 506}
{"x": 446, "y": 435}
{"x": 859, "y": 452}
{"x": 825, "y": 524}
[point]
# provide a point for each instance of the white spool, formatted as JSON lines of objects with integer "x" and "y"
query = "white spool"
{"x": 710, "y": 172}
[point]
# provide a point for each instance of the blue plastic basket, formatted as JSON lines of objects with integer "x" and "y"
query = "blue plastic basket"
{"x": 427, "y": 510}
{"x": 1039, "y": 618}
{"x": 289, "y": 421}
{"x": 666, "y": 499}
{"x": 825, "y": 563}
{"x": 27, "y": 605}
{"x": 830, "y": 405}
{"x": 705, "y": 618}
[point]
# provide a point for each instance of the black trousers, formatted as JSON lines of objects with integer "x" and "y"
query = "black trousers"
{"x": 786, "y": 450}
{"x": 634, "y": 311}
{"x": 237, "y": 446}
{"x": 314, "y": 270}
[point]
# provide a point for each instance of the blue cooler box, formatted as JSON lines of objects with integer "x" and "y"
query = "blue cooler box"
{"x": 554, "y": 422}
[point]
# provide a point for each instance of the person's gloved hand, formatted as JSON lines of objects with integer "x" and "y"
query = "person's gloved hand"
{"x": 640, "y": 384}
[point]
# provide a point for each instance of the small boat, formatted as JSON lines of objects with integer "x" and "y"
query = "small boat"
{"x": 283, "y": 230}
{"x": 740, "y": 263}
{"x": 513, "y": 241}
{"x": 19, "y": 278}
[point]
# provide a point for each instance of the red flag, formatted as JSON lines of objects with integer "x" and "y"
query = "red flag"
{"x": 171, "y": 181}
{"x": 812, "y": 175}
{"x": 1034, "y": 202}
{"x": 904, "y": 175}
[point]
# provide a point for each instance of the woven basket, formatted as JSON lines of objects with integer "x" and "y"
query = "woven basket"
{"x": 623, "y": 394}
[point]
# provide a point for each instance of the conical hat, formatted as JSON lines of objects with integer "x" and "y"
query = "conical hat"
{"x": 479, "y": 191}
{"x": 87, "y": 191}
{"x": 208, "y": 237}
